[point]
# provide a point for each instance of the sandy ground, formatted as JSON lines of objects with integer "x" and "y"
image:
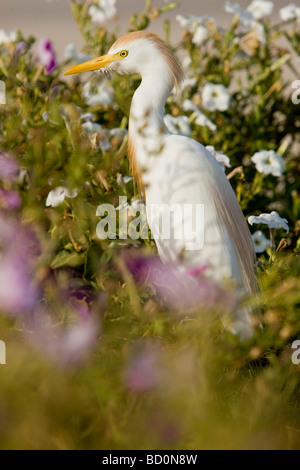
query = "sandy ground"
{"x": 53, "y": 19}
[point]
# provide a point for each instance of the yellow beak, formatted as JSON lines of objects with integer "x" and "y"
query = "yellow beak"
{"x": 94, "y": 64}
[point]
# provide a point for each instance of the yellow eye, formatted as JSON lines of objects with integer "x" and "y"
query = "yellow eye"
{"x": 124, "y": 54}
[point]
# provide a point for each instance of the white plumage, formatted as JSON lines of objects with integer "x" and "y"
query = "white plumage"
{"x": 172, "y": 169}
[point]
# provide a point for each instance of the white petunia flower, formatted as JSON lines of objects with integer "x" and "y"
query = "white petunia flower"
{"x": 58, "y": 195}
{"x": 236, "y": 9}
{"x": 261, "y": 243}
{"x": 197, "y": 26}
{"x": 97, "y": 94}
{"x": 178, "y": 125}
{"x": 273, "y": 220}
{"x": 247, "y": 20}
{"x": 5, "y": 37}
{"x": 105, "y": 10}
{"x": 260, "y": 8}
{"x": 268, "y": 162}
{"x": 290, "y": 12}
{"x": 200, "y": 118}
{"x": 216, "y": 97}
{"x": 219, "y": 156}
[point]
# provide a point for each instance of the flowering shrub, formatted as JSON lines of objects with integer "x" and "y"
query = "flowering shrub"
{"x": 98, "y": 355}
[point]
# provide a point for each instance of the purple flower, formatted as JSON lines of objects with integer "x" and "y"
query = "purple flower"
{"x": 16, "y": 292}
{"x": 19, "y": 248}
{"x": 21, "y": 47}
{"x": 178, "y": 287}
{"x": 8, "y": 167}
{"x": 9, "y": 200}
{"x": 47, "y": 55}
{"x": 66, "y": 345}
{"x": 143, "y": 373}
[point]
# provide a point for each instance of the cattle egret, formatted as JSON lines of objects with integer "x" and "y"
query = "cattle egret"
{"x": 177, "y": 170}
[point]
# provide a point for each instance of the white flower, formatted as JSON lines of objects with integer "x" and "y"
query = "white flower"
{"x": 290, "y": 12}
{"x": 178, "y": 125}
{"x": 197, "y": 26}
{"x": 216, "y": 97}
{"x": 188, "y": 82}
{"x": 7, "y": 37}
{"x": 201, "y": 119}
{"x": 105, "y": 10}
{"x": 70, "y": 53}
{"x": 247, "y": 20}
{"x": 260, "y": 8}
{"x": 268, "y": 162}
{"x": 219, "y": 156}
{"x": 261, "y": 243}
{"x": 58, "y": 195}
{"x": 97, "y": 94}
{"x": 236, "y": 9}
{"x": 273, "y": 220}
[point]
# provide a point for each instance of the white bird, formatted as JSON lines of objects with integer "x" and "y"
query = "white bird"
{"x": 173, "y": 169}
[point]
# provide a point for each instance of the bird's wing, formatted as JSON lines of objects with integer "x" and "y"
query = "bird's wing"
{"x": 186, "y": 173}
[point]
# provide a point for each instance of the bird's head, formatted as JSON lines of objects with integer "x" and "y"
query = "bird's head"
{"x": 138, "y": 52}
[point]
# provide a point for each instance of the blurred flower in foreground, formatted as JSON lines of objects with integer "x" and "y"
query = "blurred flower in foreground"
{"x": 200, "y": 118}
{"x": 7, "y": 37}
{"x": 290, "y": 12}
{"x": 46, "y": 55}
{"x": 220, "y": 157}
{"x": 9, "y": 200}
{"x": 216, "y": 97}
{"x": 273, "y": 220}
{"x": 8, "y": 167}
{"x": 179, "y": 288}
{"x": 178, "y": 125}
{"x": 143, "y": 372}
{"x": 58, "y": 195}
{"x": 197, "y": 26}
{"x": 261, "y": 243}
{"x": 105, "y": 10}
{"x": 66, "y": 345}
{"x": 19, "y": 247}
{"x": 268, "y": 162}
{"x": 260, "y": 8}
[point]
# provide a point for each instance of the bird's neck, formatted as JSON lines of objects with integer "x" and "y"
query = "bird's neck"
{"x": 146, "y": 125}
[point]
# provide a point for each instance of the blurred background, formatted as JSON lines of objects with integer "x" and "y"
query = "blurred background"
{"x": 53, "y": 18}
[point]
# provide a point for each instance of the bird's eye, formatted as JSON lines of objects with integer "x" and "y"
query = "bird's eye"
{"x": 124, "y": 54}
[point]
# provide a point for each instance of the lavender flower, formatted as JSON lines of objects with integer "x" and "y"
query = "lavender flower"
{"x": 9, "y": 200}
{"x": 46, "y": 55}
{"x": 8, "y": 167}
{"x": 179, "y": 288}
{"x": 143, "y": 372}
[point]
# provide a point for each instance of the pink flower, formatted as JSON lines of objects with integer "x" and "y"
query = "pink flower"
{"x": 8, "y": 167}
{"x": 178, "y": 287}
{"x": 9, "y": 200}
{"x": 47, "y": 55}
{"x": 143, "y": 372}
